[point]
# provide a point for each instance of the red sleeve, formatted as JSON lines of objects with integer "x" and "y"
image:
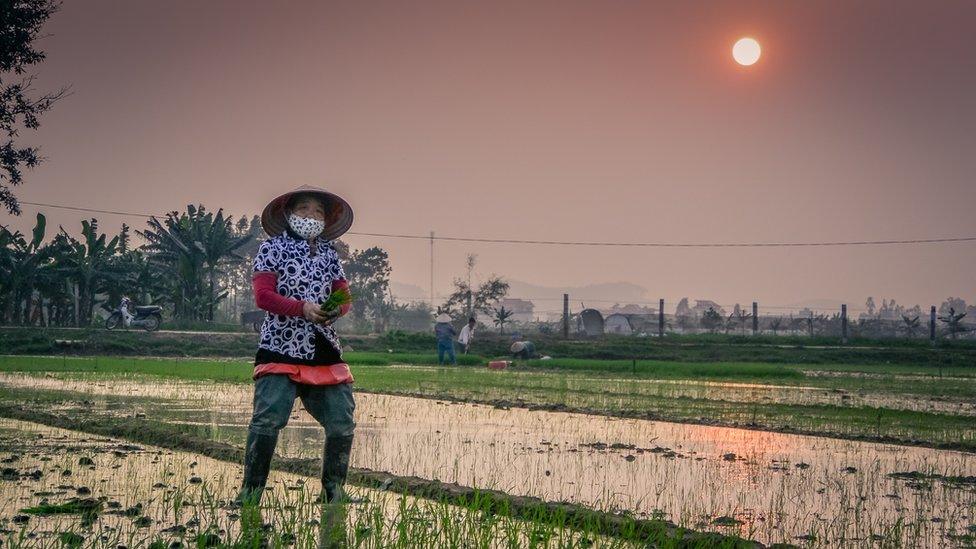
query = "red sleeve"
{"x": 342, "y": 283}
{"x": 266, "y": 296}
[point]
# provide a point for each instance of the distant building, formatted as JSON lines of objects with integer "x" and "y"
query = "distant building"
{"x": 702, "y": 305}
{"x": 522, "y": 310}
{"x": 590, "y": 322}
{"x": 618, "y": 324}
{"x": 631, "y": 309}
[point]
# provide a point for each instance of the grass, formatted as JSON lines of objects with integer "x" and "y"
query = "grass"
{"x": 360, "y": 358}
{"x": 658, "y": 369}
{"x": 418, "y": 524}
{"x": 584, "y": 386}
{"x": 72, "y": 506}
{"x": 447, "y": 516}
{"x": 524, "y": 523}
{"x": 786, "y": 350}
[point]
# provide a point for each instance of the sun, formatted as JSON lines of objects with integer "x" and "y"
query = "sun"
{"x": 746, "y": 51}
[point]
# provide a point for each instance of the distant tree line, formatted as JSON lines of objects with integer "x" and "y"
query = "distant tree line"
{"x": 196, "y": 263}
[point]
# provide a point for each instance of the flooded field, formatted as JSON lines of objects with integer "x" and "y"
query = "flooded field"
{"x": 766, "y": 486}
{"x": 787, "y": 394}
{"x": 618, "y": 392}
{"x": 61, "y": 488}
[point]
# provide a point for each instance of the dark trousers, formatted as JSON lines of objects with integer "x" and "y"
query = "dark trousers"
{"x": 446, "y": 347}
{"x": 331, "y": 405}
{"x": 274, "y": 397}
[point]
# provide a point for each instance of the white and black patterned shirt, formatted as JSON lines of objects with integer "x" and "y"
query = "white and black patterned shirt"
{"x": 302, "y": 277}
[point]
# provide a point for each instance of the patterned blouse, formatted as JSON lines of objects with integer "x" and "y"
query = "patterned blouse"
{"x": 305, "y": 278}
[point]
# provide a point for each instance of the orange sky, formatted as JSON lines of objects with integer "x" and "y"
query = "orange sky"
{"x": 622, "y": 121}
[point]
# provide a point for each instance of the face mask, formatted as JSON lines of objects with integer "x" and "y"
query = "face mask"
{"x": 306, "y": 227}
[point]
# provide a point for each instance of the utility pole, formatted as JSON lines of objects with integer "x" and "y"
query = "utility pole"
{"x": 660, "y": 317}
{"x": 566, "y": 316}
{"x": 755, "y": 318}
{"x": 432, "y": 269}
{"x": 469, "y": 313}
{"x": 843, "y": 323}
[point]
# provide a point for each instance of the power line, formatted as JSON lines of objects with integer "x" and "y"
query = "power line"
{"x": 91, "y": 210}
{"x": 597, "y": 244}
{"x": 603, "y": 302}
{"x": 675, "y": 245}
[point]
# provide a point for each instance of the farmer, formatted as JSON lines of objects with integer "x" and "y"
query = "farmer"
{"x": 299, "y": 354}
{"x": 523, "y": 349}
{"x": 467, "y": 334}
{"x": 445, "y": 333}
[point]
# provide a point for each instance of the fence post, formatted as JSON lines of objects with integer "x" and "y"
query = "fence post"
{"x": 566, "y": 316}
{"x": 755, "y": 317}
{"x": 843, "y": 323}
{"x": 932, "y": 325}
{"x": 660, "y": 317}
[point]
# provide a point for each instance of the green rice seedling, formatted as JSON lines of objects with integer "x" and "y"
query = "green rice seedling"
{"x": 336, "y": 299}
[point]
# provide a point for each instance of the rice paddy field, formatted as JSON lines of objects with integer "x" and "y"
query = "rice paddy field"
{"x": 110, "y": 451}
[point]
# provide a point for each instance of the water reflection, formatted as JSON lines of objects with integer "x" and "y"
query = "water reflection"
{"x": 118, "y": 494}
{"x": 767, "y": 486}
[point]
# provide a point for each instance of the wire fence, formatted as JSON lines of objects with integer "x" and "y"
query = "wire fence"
{"x": 599, "y": 317}
{"x": 637, "y": 325}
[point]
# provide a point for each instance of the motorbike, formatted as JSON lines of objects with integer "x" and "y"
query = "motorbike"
{"x": 147, "y": 317}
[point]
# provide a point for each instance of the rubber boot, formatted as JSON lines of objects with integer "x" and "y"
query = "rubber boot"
{"x": 257, "y": 465}
{"x": 335, "y": 466}
{"x": 332, "y": 528}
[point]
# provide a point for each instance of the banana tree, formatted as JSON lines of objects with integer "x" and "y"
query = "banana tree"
{"x": 190, "y": 249}
{"x": 88, "y": 263}
{"x": 742, "y": 318}
{"x": 21, "y": 260}
{"x": 501, "y": 317}
{"x": 911, "y": 325}
{"x": 952, "y": 319}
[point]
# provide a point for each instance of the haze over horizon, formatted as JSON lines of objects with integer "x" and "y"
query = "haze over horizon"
{"x": 543, "y": 120}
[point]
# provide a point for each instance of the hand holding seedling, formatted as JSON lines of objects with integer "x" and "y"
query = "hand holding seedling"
{"x": 313, "y": 313}
{"x": 331, "y": 309}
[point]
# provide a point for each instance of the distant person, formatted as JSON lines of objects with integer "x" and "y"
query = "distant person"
{"x": 445, "y": 338}
{"x": 467, "y": 334}
{"x": 523, "y": 349}
{"x": 299, "y": 354}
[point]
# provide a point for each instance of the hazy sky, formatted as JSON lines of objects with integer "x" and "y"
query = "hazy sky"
{"x": 609, "y": 121}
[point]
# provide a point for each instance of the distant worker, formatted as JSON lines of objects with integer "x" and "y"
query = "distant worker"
{"x": 445, "y": 338}
{"x": 523, "y": 349}
{"x": 467, "y": 334}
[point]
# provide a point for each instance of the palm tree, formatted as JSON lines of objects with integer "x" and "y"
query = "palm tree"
{"x": 21, "y": 262}
{"x": 88, "y": 263}
{"x": 138, "y": 278}
{"x": 236, "y": 277}
{"x": 501, "y": 317}
{"x": 729, "y": 323}
{"x": 952, "y": 320}
{"x": 192, "y": 248}
{"x": 742, "y": 317}
{"x": 911, "y": 325}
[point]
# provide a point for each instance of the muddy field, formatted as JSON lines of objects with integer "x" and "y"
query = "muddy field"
{"x": 769, "y": 487}
{"x": 64, "y": 488}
